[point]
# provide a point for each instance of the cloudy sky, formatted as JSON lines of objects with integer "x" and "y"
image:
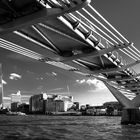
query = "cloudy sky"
{"x": 32, "y": 77}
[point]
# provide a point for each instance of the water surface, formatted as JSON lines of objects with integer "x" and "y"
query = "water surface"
{"x": 41, "y": 127}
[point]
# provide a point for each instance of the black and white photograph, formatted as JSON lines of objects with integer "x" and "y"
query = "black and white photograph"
{"x": 69, "y": 69}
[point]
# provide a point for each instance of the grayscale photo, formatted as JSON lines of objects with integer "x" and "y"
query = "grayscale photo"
{"x": 69, "y": 70}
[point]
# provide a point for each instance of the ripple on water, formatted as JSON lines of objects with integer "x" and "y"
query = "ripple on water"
{"x": 66, "y": 128}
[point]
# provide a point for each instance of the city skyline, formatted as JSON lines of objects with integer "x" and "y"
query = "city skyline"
{"x": 32, "y": 77}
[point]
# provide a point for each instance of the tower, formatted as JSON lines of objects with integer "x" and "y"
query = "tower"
{"x": 1, "y": 87}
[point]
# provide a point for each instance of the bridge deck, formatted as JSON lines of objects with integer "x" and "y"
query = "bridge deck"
{"x": 61, "y": 40}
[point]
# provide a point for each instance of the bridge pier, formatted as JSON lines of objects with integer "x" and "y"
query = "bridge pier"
{"x": 130, "y": 116}
{"x": 131, "y": 111}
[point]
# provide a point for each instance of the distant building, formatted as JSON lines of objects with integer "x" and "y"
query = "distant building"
{"x": 75, "y": 106}
{"x": 56, "y": 106}
{"x": 83, "y": 107}
{"x": 113, "y": 108}
{"x": 25, "y": 98}
{"x": 44, "y": 103}
{"x": 16, "y": 97}
{"x": 23, "y": 108}
{"x": 90, "y": 111}
{"x": 114, "y": 105}
{"x": 87, "y": 106}
{"x": 6, "y": 102}
{"x": 18, "y": 107}
{"x": 14, "y": 106}
{"x": 36, "y": 103}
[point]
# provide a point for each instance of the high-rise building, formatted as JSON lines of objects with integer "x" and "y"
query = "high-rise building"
{"x": 36, "y": 103}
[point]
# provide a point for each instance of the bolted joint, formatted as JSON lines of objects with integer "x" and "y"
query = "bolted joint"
{"x": 96, "y": 43}
{"x": 75, "y": 25}
{"x": 109, "y": 54}
{"x": 74, "y": 69}
{"x": 44, "y": 59}
{"x": 87, "y": 35}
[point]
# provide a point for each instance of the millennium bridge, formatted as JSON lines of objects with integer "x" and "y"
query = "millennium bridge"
{"x": 61, "y": 33}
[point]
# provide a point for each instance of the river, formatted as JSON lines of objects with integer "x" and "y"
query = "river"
{"x": 41, "y": 127}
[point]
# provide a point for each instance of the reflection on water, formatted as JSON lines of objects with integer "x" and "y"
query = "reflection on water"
{"x": 42, "y": 127}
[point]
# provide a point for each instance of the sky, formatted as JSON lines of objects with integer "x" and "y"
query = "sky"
{"x": 32, "y": 77}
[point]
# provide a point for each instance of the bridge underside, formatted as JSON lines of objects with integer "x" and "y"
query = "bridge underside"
{"x": 50, "y": 33}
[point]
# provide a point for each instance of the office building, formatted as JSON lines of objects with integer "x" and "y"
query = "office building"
{"x": 43, "y": 103}
{"x": 14, "y": 106}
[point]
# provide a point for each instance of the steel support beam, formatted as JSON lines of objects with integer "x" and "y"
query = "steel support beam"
{"x": 62, "y": 33}
{"x": 42, "y": 15}
{"x": 46, "y": 39}
{"x": 95, "y": 53}
{"x": 131, "y": 84}
{"x": 119, "y": 96}
{"x": 131, "y": 88}
{"x": 136, "y": 101}
{"x": 110, "y": 70}
{"x": 124, "y": 78}
{"x": 131, "y": 112}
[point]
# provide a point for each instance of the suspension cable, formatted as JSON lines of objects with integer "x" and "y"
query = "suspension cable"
{"x": 96, "y": 27}
{"x": 135, "y": 48}
{"x": 133, "y": 51}
{"x": 111, "y": 26}
{"x": 134, "y": 57}
{"x": 91, "y": 28}
{"x": 101, "y": 24}
{"x": 108, "y": 23}
{"x": 19, "y": 47}
{"x": 103, "y": 32}
{"x": 128, "y": 55}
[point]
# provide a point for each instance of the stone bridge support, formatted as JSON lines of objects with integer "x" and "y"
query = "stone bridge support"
{"x": 131, "y": 112}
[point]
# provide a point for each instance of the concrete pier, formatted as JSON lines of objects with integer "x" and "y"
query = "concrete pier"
{"x": 130, "y": 116}
{"x": 131, "y": 112}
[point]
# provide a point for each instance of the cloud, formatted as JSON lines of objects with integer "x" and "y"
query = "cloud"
{"x": 54, "y": 74}
{"x": 14, "y": 76}
{"x": 81, "y": 81}
{"x": 4, "y": 82}
{"x": 39, "y": 78}
{"x": 96, "y": 84}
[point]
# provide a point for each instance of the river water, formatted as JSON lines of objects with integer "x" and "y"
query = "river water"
{"x": 41, "y": 127}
